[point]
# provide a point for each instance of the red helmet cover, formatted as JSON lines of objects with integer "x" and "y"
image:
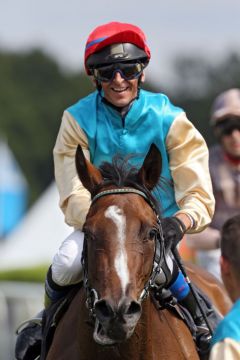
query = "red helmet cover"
{"x": 114, "y": 33}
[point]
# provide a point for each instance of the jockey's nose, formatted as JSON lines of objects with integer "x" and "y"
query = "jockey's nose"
{"x": 126, "y": 311}
{"x": 118, "y": 77}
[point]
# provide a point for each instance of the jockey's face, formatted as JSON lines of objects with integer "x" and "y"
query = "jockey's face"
{"x": 121, "y": 92}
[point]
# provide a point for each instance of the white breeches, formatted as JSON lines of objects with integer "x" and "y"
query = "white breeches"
{"x": 67, "y": 267}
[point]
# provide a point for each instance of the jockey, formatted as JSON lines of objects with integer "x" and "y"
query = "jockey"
{"x": 120, "y": 117}
{"x": 224, "y": 165}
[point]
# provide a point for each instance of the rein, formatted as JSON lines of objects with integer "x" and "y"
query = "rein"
{"x": 92, "y": 295}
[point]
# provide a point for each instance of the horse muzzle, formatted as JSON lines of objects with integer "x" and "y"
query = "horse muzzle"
{"x": 115, "y": 323}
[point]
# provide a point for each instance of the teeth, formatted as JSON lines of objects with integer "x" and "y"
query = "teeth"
{"x": 120, "y": 90}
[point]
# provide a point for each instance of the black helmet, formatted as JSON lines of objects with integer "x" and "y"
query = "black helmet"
{"x": 114, "y": 53}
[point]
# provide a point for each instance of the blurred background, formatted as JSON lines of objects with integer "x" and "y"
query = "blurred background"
{"x": 195, "y": 55}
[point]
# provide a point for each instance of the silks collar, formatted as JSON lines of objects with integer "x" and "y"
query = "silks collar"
{"x": 231, "y": 159}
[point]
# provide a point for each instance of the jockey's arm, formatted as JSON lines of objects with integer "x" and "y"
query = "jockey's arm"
{"x": 74, "y": 198}
{"x": 188, "y": 160}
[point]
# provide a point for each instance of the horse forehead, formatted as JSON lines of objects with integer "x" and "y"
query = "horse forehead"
{"x": 133, "y": 208}
{"x": 116, "y": 214}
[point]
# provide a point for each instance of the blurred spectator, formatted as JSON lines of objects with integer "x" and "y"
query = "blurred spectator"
{"x": 224, "y": 165}
{"x": 226, "y": 340}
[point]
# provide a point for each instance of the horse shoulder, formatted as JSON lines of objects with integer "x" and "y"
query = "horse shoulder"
{"x": 172, "y": 336}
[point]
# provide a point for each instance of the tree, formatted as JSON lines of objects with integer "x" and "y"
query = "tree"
{"x": 198, "y": 82}
{"x": 33, "y": 95}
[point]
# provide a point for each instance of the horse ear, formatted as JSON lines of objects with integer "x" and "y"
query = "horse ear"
{"x": 150, "y": 172}
{"x": 89, "y": 175}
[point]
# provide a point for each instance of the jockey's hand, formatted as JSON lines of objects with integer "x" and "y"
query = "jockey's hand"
{"x": 173, "y": 231}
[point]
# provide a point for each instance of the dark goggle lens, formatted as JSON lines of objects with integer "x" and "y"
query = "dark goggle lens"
{"x": 127, "y": 71}
{"x": 228, "y": 126}
{"x": 230, "y": 129}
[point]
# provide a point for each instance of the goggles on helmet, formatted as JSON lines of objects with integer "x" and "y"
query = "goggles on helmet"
{"x": 128, "y": 71}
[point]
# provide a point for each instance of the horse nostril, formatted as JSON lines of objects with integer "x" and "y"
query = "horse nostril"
{"x": 103, "y": 309}
{"x": 134, "y": 308}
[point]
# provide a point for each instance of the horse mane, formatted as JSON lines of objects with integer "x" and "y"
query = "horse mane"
{"x": 121, "y": 173}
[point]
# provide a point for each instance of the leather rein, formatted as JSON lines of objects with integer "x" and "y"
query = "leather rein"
{"x": 159, "y": 252}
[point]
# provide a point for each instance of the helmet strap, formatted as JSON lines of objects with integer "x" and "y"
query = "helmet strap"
{"x": 98, "y": 86}
{"x": 139, "y": 86}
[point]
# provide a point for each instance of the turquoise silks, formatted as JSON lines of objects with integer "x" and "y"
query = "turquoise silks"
{"x": 229, "y": 327}
{"x": 148, "y": 121}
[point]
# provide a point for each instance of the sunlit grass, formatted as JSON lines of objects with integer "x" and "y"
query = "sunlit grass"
{"x": 32, "y": 274}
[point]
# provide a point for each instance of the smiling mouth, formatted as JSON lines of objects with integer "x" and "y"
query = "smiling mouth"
{"x": 120, "y": 90}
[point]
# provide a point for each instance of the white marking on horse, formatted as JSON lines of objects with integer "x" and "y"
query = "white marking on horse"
{"x": 120, "y": 262}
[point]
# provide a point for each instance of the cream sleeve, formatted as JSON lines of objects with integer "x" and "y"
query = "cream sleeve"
{"x": 188, "y": 161}
{"x": 74, "y": 198}
{"x": 227, "y": 349}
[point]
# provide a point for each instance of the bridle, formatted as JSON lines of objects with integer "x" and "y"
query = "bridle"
{"x": 159, "y": 252}
{"x": 159, "y": 258}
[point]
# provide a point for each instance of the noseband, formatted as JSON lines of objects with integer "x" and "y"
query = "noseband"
{"x": 159, "y": 252}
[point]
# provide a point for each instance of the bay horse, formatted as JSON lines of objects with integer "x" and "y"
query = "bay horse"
{"x": 120, "y": 249}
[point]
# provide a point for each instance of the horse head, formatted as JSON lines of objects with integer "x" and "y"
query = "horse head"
{"x": 120, "y": 241}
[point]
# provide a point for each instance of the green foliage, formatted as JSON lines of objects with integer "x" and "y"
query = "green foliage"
{"x": 33, "y": 274}
{"x": 198, "y": 78}
{"x": 198, "y": 82}
{"x": 33, "y": 95}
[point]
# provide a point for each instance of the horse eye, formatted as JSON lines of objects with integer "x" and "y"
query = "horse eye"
{"x": 152, "y": 234}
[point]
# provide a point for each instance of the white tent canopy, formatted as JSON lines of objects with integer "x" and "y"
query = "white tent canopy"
{"x": 37, "y": 238}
